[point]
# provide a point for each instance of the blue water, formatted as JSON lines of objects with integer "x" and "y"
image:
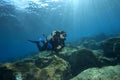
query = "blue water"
{"x": 21, "y": 20}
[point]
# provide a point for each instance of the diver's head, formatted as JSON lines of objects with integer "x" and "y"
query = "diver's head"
{"x": 63, "y": 35}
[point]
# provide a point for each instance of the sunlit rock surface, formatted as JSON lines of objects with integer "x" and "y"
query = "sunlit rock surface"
{"x": 105, "y": 73}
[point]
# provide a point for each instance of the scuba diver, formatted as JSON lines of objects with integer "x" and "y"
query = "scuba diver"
{"x": 55, "y": 43}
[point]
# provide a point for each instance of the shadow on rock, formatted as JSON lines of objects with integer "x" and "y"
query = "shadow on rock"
{"x": 81, "y": 60}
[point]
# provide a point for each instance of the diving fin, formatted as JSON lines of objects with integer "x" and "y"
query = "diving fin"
{"x": 32, "y": 41}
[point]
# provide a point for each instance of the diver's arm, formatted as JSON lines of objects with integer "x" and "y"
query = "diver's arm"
{"x": 60, "y": 46}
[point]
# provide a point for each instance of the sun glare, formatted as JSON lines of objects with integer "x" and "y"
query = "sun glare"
{"x": 23, "y": 4}
{"x": 55, "y": 0}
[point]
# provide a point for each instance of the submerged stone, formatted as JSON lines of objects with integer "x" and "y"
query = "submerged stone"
{"x": 81, "y": 60}
{"x": 105, "y": 73}
{"x": 52, "y": 68}
{"x": 111, "y": 47}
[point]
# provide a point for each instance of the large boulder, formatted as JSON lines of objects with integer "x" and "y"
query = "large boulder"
{"x": 111, "y": 47}
{"x": 105, "y": 73}
{"x": 81, "y": 60}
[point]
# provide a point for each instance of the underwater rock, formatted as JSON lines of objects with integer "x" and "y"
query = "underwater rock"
{"x": 18, "y": 76}
{"x": 111, "y": 47}
{"x": 81, "y": 60}
{"x": 39, "y": 68}
{"x": 105, "y": 73}
{"x": 43, "y": 62}
{"x": 98, "y": 53}
{"x": 67, "y": 51}
{"x": 100, "y": 37}
{"x": 6, "y": 74}
{"x": 90, "y": 44}
{"x": 106, "y": 61}
{"x": 58, "y": 69}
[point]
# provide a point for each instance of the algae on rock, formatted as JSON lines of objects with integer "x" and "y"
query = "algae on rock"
{"x": 105, "y": 73}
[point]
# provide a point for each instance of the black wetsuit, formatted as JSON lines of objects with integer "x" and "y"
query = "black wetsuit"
{"x": 53, "y": 43}
{"x": 56, "y": 42}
